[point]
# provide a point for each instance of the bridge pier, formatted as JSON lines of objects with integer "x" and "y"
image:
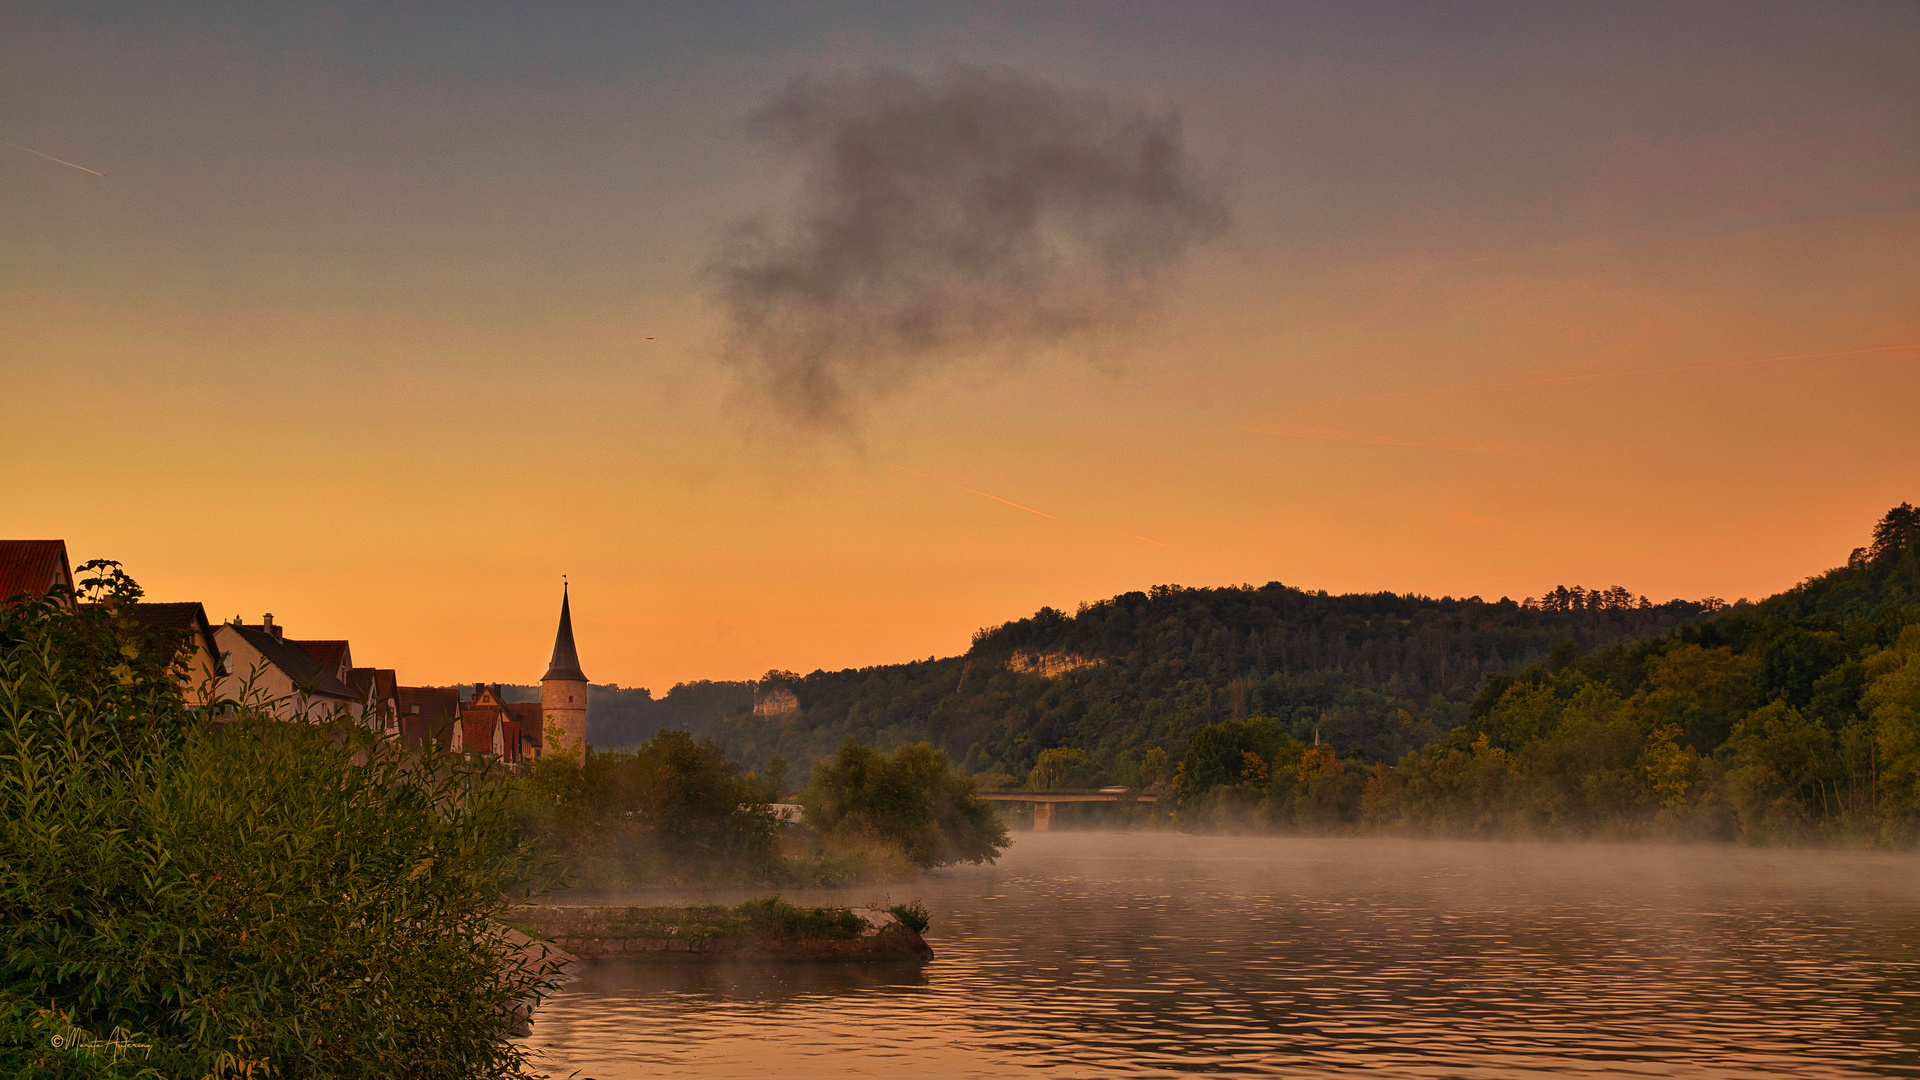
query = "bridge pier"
{"x": 1042, "y": 817}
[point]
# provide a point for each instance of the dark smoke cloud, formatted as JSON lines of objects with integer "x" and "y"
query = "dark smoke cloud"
{"x": 971, "y": 218}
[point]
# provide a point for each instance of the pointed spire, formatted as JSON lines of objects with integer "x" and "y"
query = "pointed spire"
{"x": 566, "y": 661}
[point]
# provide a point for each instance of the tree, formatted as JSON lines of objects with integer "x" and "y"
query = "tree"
{"x": 1894, "y": 532}
{"x": 669, "y": 809}
{"x": 1058, "y": 768}
{"x": 912, "y": 798}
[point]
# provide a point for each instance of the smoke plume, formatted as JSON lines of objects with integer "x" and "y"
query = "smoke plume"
{"x": 972, "y": 218}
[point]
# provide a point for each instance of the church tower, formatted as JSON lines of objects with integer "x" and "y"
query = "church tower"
{"x": 563, "y": 690}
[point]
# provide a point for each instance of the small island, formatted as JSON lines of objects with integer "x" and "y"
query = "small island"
{"x": 768, "y": 928}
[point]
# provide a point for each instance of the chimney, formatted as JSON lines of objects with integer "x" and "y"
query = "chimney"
{"x": 266, "y": 623}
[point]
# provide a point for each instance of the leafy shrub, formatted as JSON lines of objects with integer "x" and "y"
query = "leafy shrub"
{"x": 913, "y": 915}
{"x": 912, "y": 798}
{"x": 770, "y": 916}
{"x": 254, "y": 899}
{"x": 669, "y": 810}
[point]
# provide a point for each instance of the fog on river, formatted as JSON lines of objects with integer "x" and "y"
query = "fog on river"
{"x": 1104, "y": 953}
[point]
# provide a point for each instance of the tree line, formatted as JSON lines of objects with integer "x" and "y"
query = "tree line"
{"x": 1795, "y": 720}
{"x": 1376, "y": 674}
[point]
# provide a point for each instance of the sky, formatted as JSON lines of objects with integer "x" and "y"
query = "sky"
{"x": 804, "y": 336}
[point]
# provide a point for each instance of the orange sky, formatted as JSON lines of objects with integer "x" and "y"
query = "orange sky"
{"x": 384, "y": 328}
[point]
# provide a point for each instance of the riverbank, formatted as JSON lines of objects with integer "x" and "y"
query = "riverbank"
{"x": 765, "y": 929}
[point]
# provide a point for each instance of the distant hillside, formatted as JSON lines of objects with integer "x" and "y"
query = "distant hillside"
{"x": 1376, "y": 674}
{"x": 1580, "y": 714}
{"x": 1794, "y": 720}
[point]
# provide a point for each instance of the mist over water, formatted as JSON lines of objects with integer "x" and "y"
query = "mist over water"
{"x": 1158, "y": 954}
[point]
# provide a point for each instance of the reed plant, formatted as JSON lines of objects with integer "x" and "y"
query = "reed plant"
{"x": 208, "y": 892}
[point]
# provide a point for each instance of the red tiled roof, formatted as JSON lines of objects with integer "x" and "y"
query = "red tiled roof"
{"x": 477, "y": 723}
{"x": 360, "y": 680}
{"x": 378, "y": 682}
{"x": 510, "y": 737}
{"x": 31, "y": 567}
{"x": 531, "y": 716}
{"x": 437, "y": 708}
{"x": 332, "y": 655}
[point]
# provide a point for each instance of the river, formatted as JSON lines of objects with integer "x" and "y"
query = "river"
{"x": 1100, "y": 954}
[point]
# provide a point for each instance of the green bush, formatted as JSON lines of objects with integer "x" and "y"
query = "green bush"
{"x": 772, "y": 917}
{"x": 247, "y": 898}
{"x": 912, "y": 798}
{"x": 668, "y": 811}
{"x": 913, "y": 915}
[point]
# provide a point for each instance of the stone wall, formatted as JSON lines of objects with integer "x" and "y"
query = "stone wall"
{"x": 563, "y": 704}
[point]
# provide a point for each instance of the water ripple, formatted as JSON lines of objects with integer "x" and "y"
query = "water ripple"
{"x": 1091, "y": 954}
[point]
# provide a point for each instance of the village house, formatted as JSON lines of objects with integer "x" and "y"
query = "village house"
{"x": 315, "y": 679}
{"x": 188, "y": 619}
{"x": 380, "y": 689}
{"x": 428, "y": 714}
{"x": 34, "y": 567}
{"x": 490, "y": 724}
{"x": 290, "y": 681}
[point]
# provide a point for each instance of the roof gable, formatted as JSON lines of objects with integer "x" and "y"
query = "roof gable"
{"x": 335, "y": 657}
{"x": 531, "y": 715}
{"x": 186, "y": 616}
{"x": 31, "y": 567}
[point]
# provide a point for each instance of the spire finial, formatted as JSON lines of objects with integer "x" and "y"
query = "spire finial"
{"x": 566, "y": 660}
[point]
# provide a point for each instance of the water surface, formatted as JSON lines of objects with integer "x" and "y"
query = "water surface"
{"x": 1097, "y": 954}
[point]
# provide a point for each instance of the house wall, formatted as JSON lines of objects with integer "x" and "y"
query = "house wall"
{"x": 201, "y": 678}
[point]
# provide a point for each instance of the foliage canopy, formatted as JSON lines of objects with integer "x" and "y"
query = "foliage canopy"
{"x": 241, "y": 897}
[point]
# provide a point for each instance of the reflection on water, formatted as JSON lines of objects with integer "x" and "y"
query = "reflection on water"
{"x": 1101, "y": 953}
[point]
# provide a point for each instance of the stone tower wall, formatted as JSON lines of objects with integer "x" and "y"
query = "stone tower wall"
{"x": 563, "y": 705}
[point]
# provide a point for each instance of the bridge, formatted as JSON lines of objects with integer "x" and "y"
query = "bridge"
{"x": 1044, "y": 801}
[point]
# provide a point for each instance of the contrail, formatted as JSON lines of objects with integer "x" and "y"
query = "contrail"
{"x": 50, "y": 157}
{"x": 978, "y": 492}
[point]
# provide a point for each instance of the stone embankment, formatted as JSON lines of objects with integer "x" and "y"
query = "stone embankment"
{"x": 707, "y": 934}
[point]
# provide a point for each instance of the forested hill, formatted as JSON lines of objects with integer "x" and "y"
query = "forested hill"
{"x": 1376, "y": 675}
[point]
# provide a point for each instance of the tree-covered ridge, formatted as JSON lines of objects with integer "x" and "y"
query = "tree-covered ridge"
{"x": 1377, "y": 674}
{"x": 1793, "y": 720}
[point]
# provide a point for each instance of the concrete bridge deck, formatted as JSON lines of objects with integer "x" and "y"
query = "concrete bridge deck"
{"x": 1044, "y": 801}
